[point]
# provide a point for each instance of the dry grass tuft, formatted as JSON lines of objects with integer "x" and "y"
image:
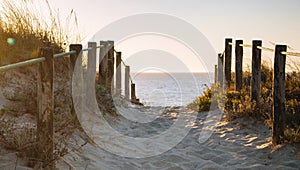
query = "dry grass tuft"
{"x": 24, "y": 27}
{"x": 239, "y": 104}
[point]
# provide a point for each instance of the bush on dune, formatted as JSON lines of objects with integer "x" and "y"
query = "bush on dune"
{"x": 239, "y": 104}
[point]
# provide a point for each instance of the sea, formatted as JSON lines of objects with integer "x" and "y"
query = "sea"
{"x": 170, "y": 89}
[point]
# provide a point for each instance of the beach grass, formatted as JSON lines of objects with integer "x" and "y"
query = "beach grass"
{"x": 239, "y": 104}
{"x": 26, "y": 26}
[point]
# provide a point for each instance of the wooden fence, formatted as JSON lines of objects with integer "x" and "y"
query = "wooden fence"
{"x": 110, "y": 64}
{"x": 280, "y": 53}
{"x": 45, "y": 86}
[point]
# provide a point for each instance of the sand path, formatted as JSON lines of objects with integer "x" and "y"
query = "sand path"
{"x": 241, "y": 144}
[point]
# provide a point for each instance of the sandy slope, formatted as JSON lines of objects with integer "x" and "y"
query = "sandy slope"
{"x": 241, "y": 144}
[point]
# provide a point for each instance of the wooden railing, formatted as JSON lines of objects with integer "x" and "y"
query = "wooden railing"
{"x": 280, "y": 53}
{"x": 45, "y": 86}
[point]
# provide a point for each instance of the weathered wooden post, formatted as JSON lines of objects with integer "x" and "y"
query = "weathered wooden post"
{"x": 73, "y": 57}
{"x": 133, "y": 97}
{"x": 228, "y": 52}
{"x": 90, "y": 76}
{"x": 110, "y": 68}
{"x": 73, "y": 60}
{"x": 256, "y": 71}
{"x": 127, "y": 73}
{"x": 118, "y": 74}
{"x": 279, "y": 95}
{"x": 91, "y": 66}
{"x": 238, "y": 65}
{"x": 103, "y": 63}
{"x": 216, "y": 73}
{"x": 44, "y": 116}
{"x": 220, "y": 69}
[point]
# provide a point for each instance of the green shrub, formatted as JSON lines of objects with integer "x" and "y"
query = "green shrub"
{"x": 202, "y": 103}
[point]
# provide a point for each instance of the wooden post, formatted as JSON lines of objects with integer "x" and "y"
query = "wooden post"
{"x": 220, "y": 69}
{"x": 279, "y": 95}
{"x": 256, "y": 71}
{"x": 238, "y": 65}
{"x": 216, "y": 73}
{"x": 73, "y": 57}
{"x": 44, "y": 116}
{"x": 73, "y": 60}
{"x": 127, "y": 73}
{"x": 91, "y": 74}
{"x": 133, "y": 97}
{"x": 110, "y": 67}
{"x": 103, "y": 63}
{"x": 228, "y": 52}
{"x": 118, "y": 74}
{"x": 91, "y": 66}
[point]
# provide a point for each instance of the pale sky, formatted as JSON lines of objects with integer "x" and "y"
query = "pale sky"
{"x": 269, "y": 20}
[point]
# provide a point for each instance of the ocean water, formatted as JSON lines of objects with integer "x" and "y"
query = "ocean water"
{"x": 170, "y": 89}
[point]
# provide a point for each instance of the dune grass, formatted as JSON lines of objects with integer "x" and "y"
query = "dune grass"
{"x": 26, "y": 26}
{"x": 239, "y": 104}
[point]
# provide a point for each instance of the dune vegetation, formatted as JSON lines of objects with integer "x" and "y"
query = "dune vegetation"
{"x": 26, "y": 26}
{"x": 239, "y": 104}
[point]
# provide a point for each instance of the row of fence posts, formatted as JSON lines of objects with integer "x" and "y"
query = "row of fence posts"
{"x": 109, "y": 64}
{"x": 278, "y": 83}
{"x": 107, "y": 67}
{"x": 45, "y": 86}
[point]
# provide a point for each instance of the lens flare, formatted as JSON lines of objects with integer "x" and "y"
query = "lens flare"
{"x": 10, "y": 41}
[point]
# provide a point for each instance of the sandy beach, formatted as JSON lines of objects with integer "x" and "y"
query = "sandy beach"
{"x": 240, "y": 144}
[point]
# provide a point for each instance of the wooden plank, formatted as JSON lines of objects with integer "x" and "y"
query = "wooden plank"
{"x": 256, "y": 71}
{"x": 279, "y": 95}
{"x": 44, "y": 117}
{"x": 127, "y": 73}
{"x": 103, "y": 63}
{"x": 238, "y": 65}
{"x": 220, "y": 69}
{"x": 228, "y": 56}
{"x": 110, "y": 67}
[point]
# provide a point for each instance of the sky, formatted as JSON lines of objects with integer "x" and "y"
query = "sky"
{"x": 267, "y": 20}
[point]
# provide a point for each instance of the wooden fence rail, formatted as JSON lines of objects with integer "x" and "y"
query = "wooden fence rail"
{"x": 45, "y": 86}
{"x": 45, "y": 99}
{"x": 278, "y": 82}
